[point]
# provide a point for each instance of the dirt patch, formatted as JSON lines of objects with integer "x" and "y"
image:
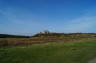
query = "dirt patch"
{"x": 92, "y": 61}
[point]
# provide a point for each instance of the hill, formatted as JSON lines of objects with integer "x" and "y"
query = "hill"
{"x": 73, "y": 52}
{"x": 65, "y": 35}
{"x": 12, "y": 36}
{"x": 45, "y": 38}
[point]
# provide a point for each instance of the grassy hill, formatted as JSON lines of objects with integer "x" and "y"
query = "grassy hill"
{"x": 49, "y": 48}
{"x": 45, "y": 38}
{"x": 74, "y": 52}
{"x": 65, "y": 35}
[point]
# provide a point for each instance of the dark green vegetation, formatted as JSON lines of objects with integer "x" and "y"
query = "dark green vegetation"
{"x": 12, "y": 36}
{"x": 75, "y": 52}
{"x": 49, "y": 34}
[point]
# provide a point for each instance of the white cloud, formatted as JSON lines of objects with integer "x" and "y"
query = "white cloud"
{"x": 83, "y": 24}
{"x": 29, "y": 24}
{"x": 17, "y": 25}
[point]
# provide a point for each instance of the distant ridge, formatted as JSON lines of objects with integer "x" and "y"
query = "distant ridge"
{"x": 12, "y": 36}
{"x": 51, "y": 34}
{"x": 13, "y": 40}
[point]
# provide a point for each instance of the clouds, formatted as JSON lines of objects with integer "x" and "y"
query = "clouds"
{"x": 32, "y": 16}
{"x": 18, "y": 22}
{"x": 24, "y": 22}
{"x": 83, "y": 24}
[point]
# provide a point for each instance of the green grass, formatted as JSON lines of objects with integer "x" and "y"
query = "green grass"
{"x": 75, "y": 52}
{"x": 2, "y": 38}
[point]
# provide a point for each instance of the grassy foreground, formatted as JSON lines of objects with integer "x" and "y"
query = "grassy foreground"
{"x": 75, "y": 52}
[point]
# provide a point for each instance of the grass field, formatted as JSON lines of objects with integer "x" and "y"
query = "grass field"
{"x": 75, "y": 52}
{"x": 2, "y": 38}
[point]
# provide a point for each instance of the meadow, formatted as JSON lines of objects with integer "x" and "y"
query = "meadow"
{"x": 71, "y": 52}
{"x": 46, "y": 37}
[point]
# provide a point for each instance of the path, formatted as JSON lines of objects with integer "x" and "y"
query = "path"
{"x": 92, "y": 61}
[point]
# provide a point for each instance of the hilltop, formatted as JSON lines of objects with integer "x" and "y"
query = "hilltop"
{"x": 44, "y": 37}
{"x": 12, "y": 36}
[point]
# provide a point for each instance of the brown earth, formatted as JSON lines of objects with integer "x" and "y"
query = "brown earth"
{"x": 36, "y": 40}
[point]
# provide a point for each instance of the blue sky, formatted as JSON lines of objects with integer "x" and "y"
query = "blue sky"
{"x": 27, "y": 17}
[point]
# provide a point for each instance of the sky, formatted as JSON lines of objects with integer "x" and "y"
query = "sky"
{"x": 28, "y": 17}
